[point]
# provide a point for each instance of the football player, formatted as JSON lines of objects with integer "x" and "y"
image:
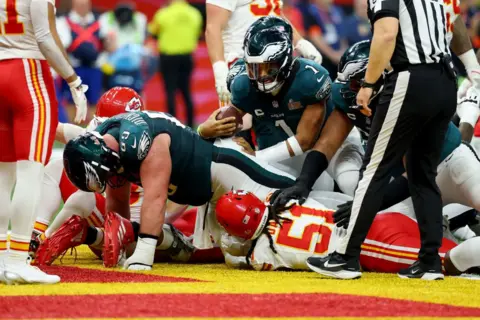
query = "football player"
{"x": 169, "y": 160}
{"x": 289, "y": 100}
{"x": 83, "y": 216}
{"x": 287, "y": 239}
{"x": 29, "y": 45}
{"x": 458, "y": 174}
{"x": 227, "y": 23}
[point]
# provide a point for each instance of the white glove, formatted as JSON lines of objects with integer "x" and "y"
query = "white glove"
{"x": 220, "y": 71}
{"x": 142, "y": 258}
{"x": 308, "y": 51}
{"x": 468, "y": 108}
{"x": 474, "y": 77}
{"x": 78, "y": 94}
{"x": 462, "y": 90}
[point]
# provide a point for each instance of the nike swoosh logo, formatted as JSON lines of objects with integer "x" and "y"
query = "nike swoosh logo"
{"x": 134, "y": 143}
{"x": 319, "y": 80}
{"x": 328, "y": 265}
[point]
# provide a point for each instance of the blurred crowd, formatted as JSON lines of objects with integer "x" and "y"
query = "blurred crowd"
{"x": 121, "y": 47}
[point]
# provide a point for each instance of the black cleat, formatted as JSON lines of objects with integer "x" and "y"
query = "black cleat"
{"x": 419, "y": 270}
{"x": 335, "y": 265}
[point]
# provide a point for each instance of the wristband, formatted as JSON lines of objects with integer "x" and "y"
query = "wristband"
{"x": 365, "y": 84}
{"x": 293, "y": 142}
{"x": 76, "y": 83}
{"x": 315, "y": 163}
{"x": 469, "y": 60}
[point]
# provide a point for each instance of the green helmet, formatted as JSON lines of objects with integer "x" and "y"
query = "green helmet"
{"x": 352, "y": 69}
{"x": 268, "y": 22}
{"x": 269, "y": 58}
{"x": 88, "y": 162}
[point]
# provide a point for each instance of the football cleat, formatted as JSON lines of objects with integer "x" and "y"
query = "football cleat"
{"x": 118, "y": 234}
{"x": 181, "y": 248}
{"x": 21, "y": 272}
{"x": 71, "y": 234}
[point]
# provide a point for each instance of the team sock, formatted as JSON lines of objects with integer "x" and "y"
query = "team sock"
{"x": 7, "y": 181}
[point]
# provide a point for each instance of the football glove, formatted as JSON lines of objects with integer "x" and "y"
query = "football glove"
{"x": 341, "y": 217}
{"x": 468, "y": 108}
{"x": 220, "y": 71}
{"x": 308, "y": 51}
{"x": 78, "y": 95}
{"x": 281, "y": 198}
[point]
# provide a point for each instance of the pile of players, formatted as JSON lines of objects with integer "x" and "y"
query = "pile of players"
{"x": 132, "y": 163}
{"x": 128, "y": 179}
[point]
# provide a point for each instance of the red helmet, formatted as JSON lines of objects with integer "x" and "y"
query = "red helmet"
{"x": 242, "y": 214}
{"x": 118, "y": 100}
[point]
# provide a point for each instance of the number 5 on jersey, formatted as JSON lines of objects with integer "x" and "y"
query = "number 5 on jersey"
{"x": 11, "y": 26}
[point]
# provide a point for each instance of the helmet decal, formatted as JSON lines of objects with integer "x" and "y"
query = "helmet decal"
{"x": 351, "y": 69}
{"x": 92, "y": 179}
{"x": 135, "y": 104}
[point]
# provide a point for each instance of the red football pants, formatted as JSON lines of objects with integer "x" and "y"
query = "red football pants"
{"x": 393, "y": 243}
{"x": 28, "y": 110}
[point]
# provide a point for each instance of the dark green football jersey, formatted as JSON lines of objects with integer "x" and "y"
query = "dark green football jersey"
{"x": 348, "y": 106}
{"x": 275, "y": 118}
{"x": 191, "y": 156}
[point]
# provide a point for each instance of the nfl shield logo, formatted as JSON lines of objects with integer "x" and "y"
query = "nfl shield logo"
{"x": 275, "y": 103}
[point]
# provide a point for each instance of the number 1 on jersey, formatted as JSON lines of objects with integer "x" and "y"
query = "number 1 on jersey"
{"x": 12, "y": 26}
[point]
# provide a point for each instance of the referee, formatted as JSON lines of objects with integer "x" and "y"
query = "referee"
{"x": 411, "y": 119}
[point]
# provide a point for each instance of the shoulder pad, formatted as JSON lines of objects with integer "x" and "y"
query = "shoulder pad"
{"x": 240, "y": 89}
{"x": 314, "y": 81}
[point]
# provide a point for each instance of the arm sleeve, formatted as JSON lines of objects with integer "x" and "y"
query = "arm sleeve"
{"x": 385, "y": 8}
{"x": 229, "y": 5}
{"x": 46, "y": 43}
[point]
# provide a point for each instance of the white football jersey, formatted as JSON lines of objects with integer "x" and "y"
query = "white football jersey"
{"x": 244, "y": 13}
{"x": 308, "y": 234}
{"x": 17, "y": 37}
{"x": 452, "y": 11}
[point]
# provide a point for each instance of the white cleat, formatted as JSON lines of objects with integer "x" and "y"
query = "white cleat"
{"x": 21, "y": 272}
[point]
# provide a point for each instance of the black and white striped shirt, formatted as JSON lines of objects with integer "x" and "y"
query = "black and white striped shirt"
{"x": 425, "y": 29}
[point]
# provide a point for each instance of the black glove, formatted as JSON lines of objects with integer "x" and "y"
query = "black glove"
{"x": 341, "y": 217}
{"x": 279, "y": 199}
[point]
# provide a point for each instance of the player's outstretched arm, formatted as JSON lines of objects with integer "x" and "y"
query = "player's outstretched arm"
{"x": 51, "y": 47}
{"x": 334, "y": 133}
{"x": 462, "y": 47}
{"x": 217, "y": 19}
{"x": 155, "y": 173}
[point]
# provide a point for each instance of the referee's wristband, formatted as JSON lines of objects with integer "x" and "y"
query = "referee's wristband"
{"x": 365, "y": 84}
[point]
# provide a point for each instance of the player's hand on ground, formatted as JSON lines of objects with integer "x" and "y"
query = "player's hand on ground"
{"x": 246, "y": 147}
{"x": 341, "y": 217}
{"x": 213, "y": 128}
{"x": 78, "y": 95}
{"x": 363, "y": 99}
{"x": 280, "y": 198}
